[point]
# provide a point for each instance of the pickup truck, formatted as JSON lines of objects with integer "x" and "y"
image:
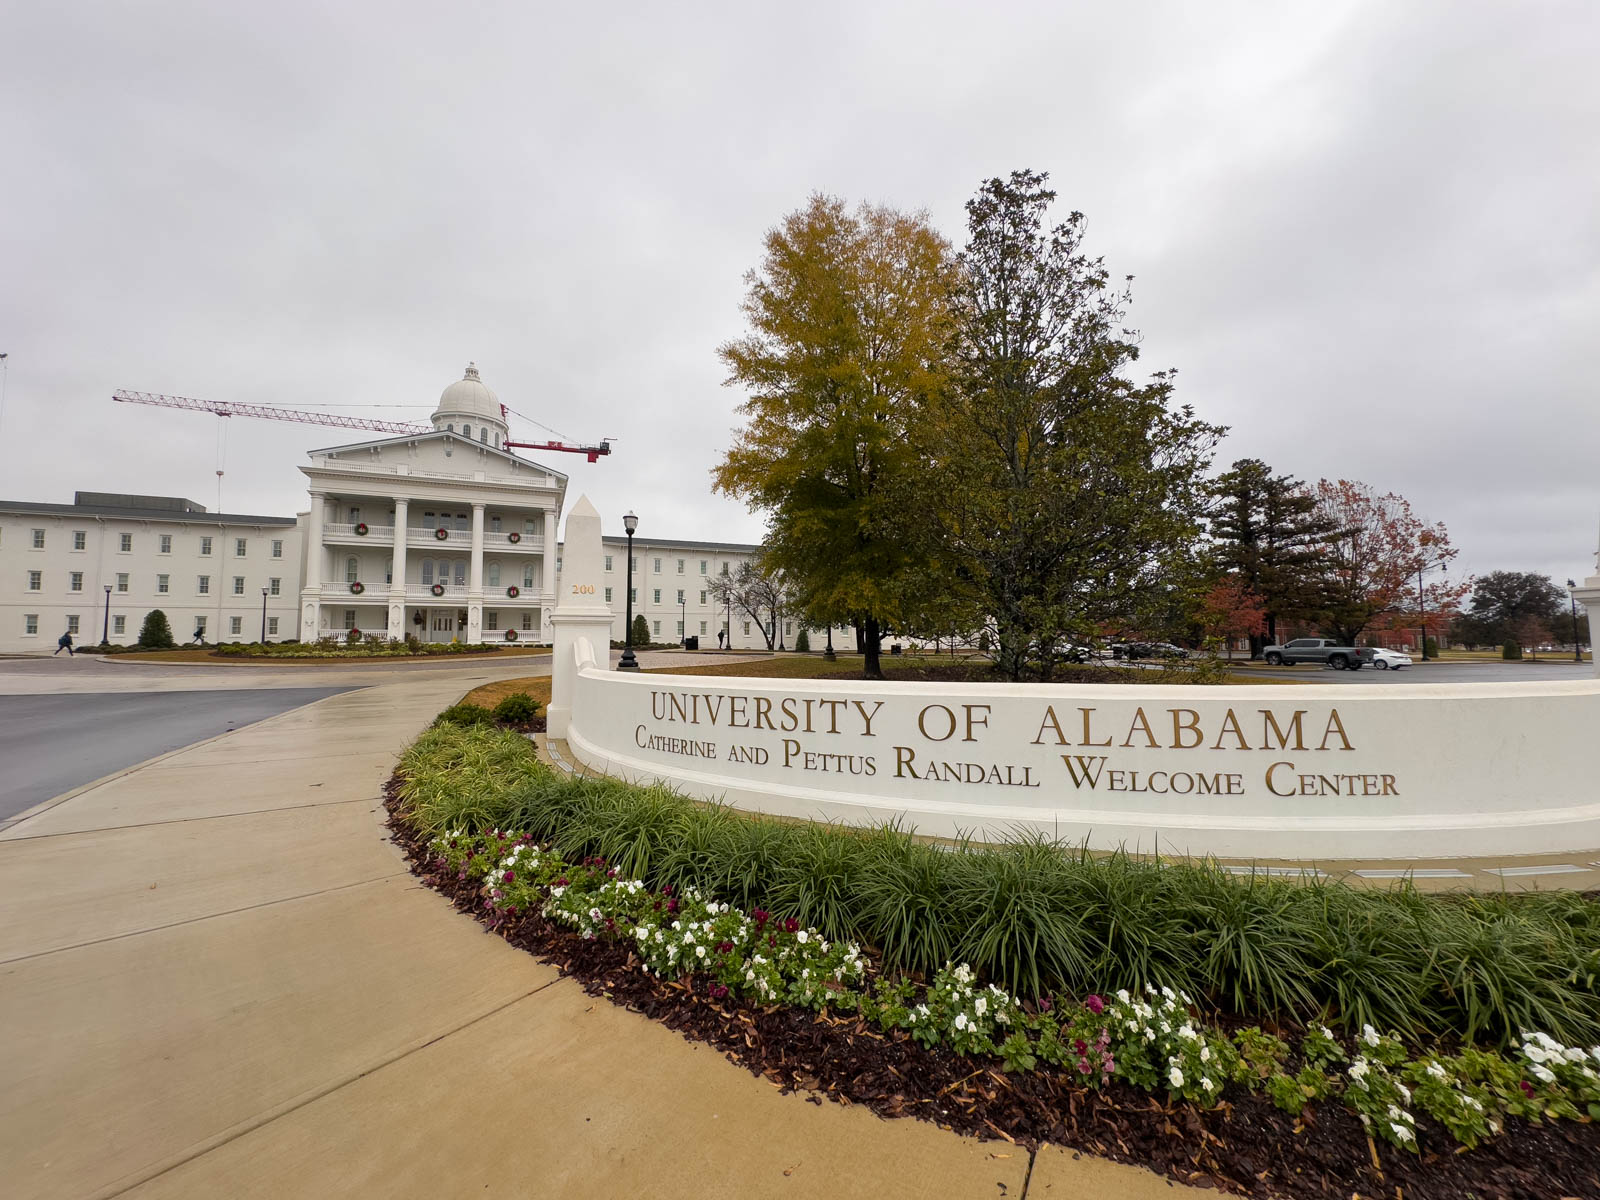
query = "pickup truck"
{"x": 1318, "y": 650}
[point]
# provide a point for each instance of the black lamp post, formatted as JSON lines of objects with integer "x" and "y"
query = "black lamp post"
{"x": 1577, "y": 643}
{"x": 828, "y": 655}
{"x": 629, "y": 662}
{"x": 1422, "y": 611}
{"x": 683, "y": 620}
{"x": 105, "y": 629}
{"x": 263, "y": 616}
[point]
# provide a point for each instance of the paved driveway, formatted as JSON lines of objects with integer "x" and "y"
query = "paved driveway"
{"x": 1444, "y": 672}
{"x": 51, "y": 744}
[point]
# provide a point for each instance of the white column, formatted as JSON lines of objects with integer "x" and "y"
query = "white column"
{"x": 583, "y": 614}
{"x": 547, "y": 580}
{"x": 475, "y": 579}
{"x": 311, "y": 593}
{"x": 397, "y": 589}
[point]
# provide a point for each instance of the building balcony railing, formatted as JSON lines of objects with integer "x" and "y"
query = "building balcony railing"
{"x": 422, "y": 538}
{"x": 454, "y": 594}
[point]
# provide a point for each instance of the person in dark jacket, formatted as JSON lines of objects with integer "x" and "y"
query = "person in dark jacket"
{"x": 65, "y": 643}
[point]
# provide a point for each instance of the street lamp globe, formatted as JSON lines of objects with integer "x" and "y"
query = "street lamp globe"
{"x": 630, "y": 522}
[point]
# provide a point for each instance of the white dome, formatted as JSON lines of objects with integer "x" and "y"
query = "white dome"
{"x": 468, "y": 400}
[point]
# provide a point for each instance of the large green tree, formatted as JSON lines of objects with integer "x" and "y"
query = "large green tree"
{"x": 1507, "y": 604}
{"x": 848, "y": 325}
{"x": 1068, "y": 495}
{"x": 1269, "y": 531}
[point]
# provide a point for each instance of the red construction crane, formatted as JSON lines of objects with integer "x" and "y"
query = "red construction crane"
{"x": 224, "y": 408}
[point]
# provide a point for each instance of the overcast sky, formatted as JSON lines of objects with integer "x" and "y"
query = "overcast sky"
{"x": 1366, "y": 234}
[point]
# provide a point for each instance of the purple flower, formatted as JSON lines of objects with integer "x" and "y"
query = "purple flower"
{"x": 1044, "y": 1004}
{"x": 1095, "y": 1005}
{"x": 511, "y": 876}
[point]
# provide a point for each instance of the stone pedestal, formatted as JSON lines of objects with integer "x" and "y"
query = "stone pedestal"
{"x": 1588, "y": 595}
{"x": 581, "y": 611}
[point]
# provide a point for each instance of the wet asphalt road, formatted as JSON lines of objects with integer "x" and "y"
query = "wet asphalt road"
{"x": 51, "y": 744}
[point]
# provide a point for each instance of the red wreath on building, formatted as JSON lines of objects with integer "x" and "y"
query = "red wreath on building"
{"x": 361, "y": 529}
{"x": 513, "y": 591}
{"x": 511, "y": 635}
{"x": 357, "y": 588}
{"x": 514, "y": 537}
{"x": 438, "y": 589}
{"x": 441, "y": 533}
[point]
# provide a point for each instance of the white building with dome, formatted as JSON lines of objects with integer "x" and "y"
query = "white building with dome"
{"x": 446, "y": 535}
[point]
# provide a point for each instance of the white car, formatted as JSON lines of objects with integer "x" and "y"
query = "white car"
{"x": 1386, "y": 660}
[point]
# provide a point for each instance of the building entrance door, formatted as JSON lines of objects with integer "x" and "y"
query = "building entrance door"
{"x": 441, "y": 625}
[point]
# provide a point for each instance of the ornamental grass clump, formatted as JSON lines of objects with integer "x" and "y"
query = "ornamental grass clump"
{"x": 1038, "y": 918}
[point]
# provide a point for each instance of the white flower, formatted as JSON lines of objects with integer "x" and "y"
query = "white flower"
{"x": 1175, "y": 1076}
{"x": 980, "y": 1006}
{"x": 1403, "y": 1132}
{"x": 1149, "y": 989}
{"x": 961, "y": 1020}
{"x": 1187, "y": 1033}
{"x": 963, "y": 974}
{"x": 1205, "y": 1082}
{"x": 1124, "y": 998}
{"x": 1149, "y": 1035}
{"x": 1404, "y": 1091}
{"x": 1358, "y": 1070}
{"x": 1325, "y": 1032}
{"x": 1205, "y": 1054}
{"x": 699, "y": 951}
{"x": 1369, "y": 1035}
{"x": 1472, "y": 1104}
{"x": 1544, "y": 1074}
{"x": 1436, "y": 1070}
{"x": 1573, "y": 1054}
{"x": 801, "y": 937}
{"x": 1167, "y": 993}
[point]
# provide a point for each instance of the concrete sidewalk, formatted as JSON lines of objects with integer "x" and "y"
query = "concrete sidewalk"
{"x": 217, "y": 978}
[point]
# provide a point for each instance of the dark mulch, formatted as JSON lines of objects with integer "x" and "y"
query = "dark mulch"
{"x": 1244, "y": 1146}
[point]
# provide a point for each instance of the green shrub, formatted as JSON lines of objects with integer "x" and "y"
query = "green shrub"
{"x": 641, "y": 631}
{"x": 802, "y": 644}
{"x": 1037, "y": 917}
{"x": 1511, "y": 651}
{"x": 156, "y": 633}
{"x": 517, "y": 709}
{"x": 465, "y": 714}
{"x": 1431, "y": 647}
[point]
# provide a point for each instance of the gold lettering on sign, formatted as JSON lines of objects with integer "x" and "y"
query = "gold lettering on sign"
{"x": 1335, "y": 725}
{"x": 1230, "y": 724}
{"x": 1050, "y": 722}
{"x": 1181, "y": 727}
{"x": 1269, "y": 725}
{"x": 1141, "y": 722}
{"x": 1087, "y": 739}
{"x": 922, "y": 719}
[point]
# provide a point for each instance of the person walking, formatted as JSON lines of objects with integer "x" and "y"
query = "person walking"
{"x": 65, "y": 643}
{"x": 720, "y": 636}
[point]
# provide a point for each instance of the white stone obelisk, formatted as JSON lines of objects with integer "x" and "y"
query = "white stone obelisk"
{"x": 1588, "y": 595}
{"x": 581, "y": 611}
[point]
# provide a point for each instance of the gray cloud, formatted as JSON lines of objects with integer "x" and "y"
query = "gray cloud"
{"x": 1365, "y": 233}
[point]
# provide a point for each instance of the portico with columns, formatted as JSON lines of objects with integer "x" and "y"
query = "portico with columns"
{"x": 443, "y": 535}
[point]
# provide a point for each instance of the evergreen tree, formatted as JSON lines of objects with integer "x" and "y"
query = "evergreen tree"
{"x": 1269, "y": 531}
{"x": 802, "y": 643}
{"x": 156, "y": 633}
{"x": 641, "y": 631}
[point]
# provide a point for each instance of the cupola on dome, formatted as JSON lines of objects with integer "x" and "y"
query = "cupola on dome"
{"x": 470, "y": 404}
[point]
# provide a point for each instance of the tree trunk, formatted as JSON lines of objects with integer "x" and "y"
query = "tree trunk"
{"x": 861, "y": 637}
{"x": 869, "y": 632}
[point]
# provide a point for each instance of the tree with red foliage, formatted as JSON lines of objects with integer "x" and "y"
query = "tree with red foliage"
{"x": 1231, "y": 610}
{"x": 1371, "y": 565}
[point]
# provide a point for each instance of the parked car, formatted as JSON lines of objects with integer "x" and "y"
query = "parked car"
{"x": 1134, "y": 650}
{"x": 1319, "y": 650}
{"x": 1385, "y": 660}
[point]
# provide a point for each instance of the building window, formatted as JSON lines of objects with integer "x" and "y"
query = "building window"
{"x": 494, "y": 574}
{"x": 702, "y": 627}
{"x": 352, "y": 570}
{"x": 483, "y": 434}
{"x": 608, "y": 562}
{"x": 203, "y": 585}
{"x": 274, "y": 586}
{"x": 122, "y": 581}
{"x": 703, "y": 565}
{"x": 558, "y": 564}
{"x": 658, "y": 566}
{"x": 127, "y": 543}
{"x": 427, "y": 572}
{"x": 119, "y": 624}
{"x": 527, "y": 619}
{"x": 527, "y": 575}
{"x": 657, "y": 596}
{"x": 608, "y": 595}
{"x": 747, "y": 629}
{"x": 788, "y": 629}
{"x": 80, "y": 539}
{"x": 199, "y": 629}
{"x": 205, "y": 545}
{"x": 494, "y": 524}
{"x": 349, "y": 618}
{"x": 491, "y": 620}
{"x": 655, "y": 627}
{"x": 75, "y": 582}
{"x": 355, "y": 516}
{"x": 235, "y": 625}
{"x": 527, "y": 526}
{"x": 72, "y": 623}
{"x": 680, "y": 601}
{"x": 633, "y": 563}
{"x": 461, "y": 572}
{"x": 239, "y": 547}
{"x": 680, "y": 628}
{"x": 272, "y": 626}
{"x": 466, "y": 431}
{"x": 38, "y": 539}
{"x": 680, "y": 566}
{"x": 162, "y": 583}
{"x": 277, "y": 547}
{"x": 166, "y": 543}
{"x": 724, "y": 568}
{"x": 633, "y": 595}
{"x": 463, "y": 521}
{"x": 238, "y": 585}
{"x": 35, "y": 580}
{"x": 30, "y": 624}
{"x": 702, "y": 597}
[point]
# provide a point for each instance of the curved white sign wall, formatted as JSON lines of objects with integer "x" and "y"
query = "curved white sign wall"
{"x": 1398, "y": 771}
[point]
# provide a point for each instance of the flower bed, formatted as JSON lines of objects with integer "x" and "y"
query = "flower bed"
{"x": 1246, "y": 1111}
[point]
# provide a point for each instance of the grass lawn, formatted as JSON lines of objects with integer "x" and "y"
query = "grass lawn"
{"x": 207, "y": 656}
{"x": 813, "y": 666}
